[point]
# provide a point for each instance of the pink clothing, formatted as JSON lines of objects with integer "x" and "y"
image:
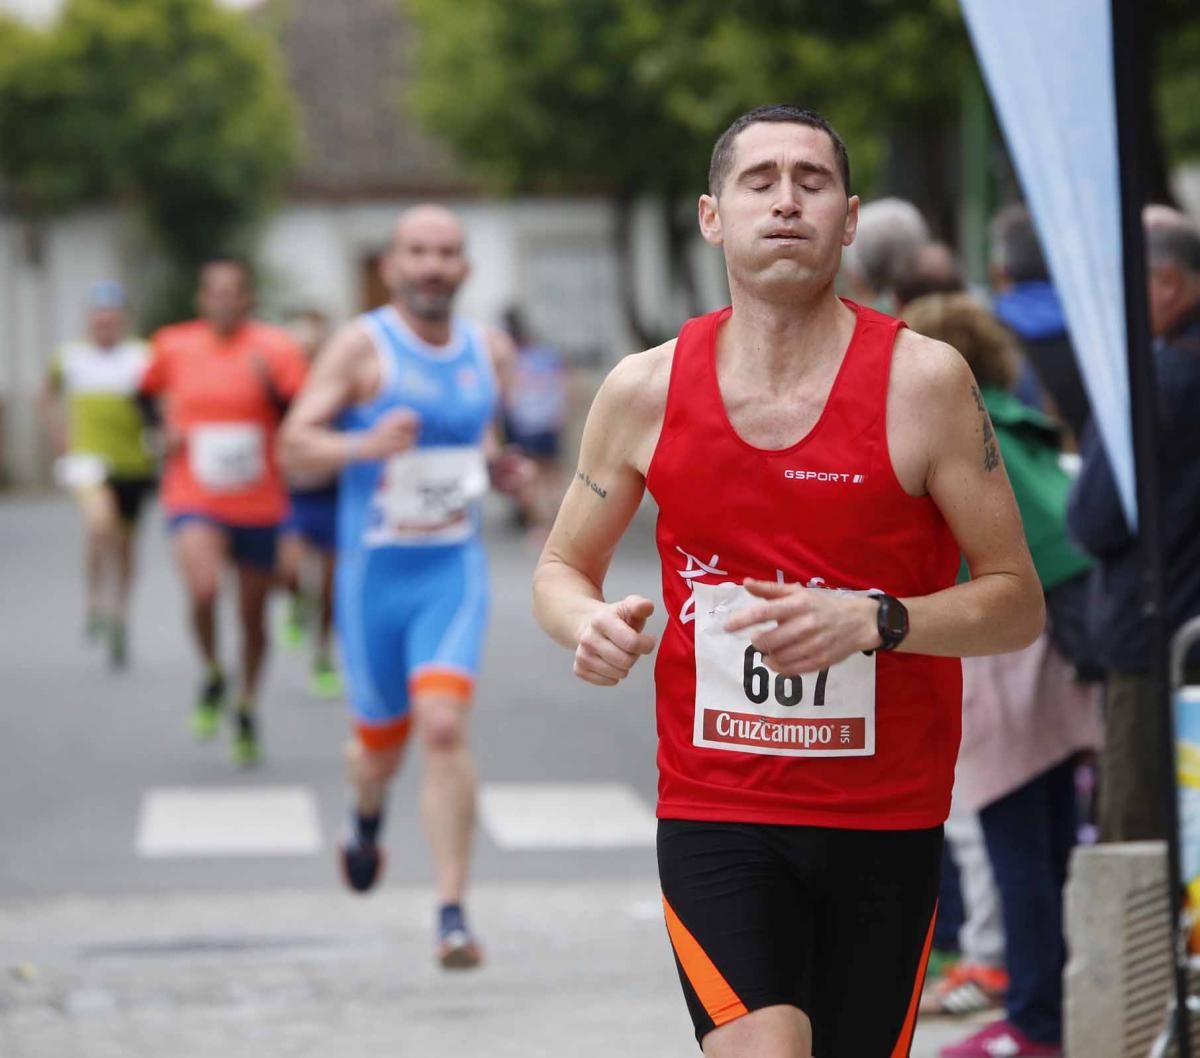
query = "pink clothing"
{"x": 1023, "y": 713}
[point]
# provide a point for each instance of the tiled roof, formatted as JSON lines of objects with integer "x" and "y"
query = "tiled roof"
{"x": 348, "y": 68}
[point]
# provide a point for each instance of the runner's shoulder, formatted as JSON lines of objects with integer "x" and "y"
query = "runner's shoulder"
{"x": 270, "y": 334}
{"x": 176, "y": 335}
{"x": 273, "y": 341}
{"x": 351, "y": 345}
{"x": 637, "y": 386}
{"x": 926, "y": 370}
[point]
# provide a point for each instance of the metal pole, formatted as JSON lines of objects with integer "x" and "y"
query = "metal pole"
{"x": 1129, "y": 47}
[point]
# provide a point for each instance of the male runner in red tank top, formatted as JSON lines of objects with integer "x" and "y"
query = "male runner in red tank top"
{"x": 817, "y": 471}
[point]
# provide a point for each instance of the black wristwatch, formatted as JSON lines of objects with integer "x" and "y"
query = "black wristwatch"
{"x": 892, "y": 621}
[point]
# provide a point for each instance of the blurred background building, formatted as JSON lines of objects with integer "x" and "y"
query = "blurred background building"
{"x": 573, "y": 141}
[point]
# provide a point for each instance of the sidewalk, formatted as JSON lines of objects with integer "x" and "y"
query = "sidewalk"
{"x": 578, "y": 969}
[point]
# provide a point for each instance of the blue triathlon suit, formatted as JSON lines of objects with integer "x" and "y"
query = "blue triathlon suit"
{"x": 412, "y": 591}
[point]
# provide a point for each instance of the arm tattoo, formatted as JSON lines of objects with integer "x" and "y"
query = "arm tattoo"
{"x": 594, "y": 486}
{"x": 991, "y": 453}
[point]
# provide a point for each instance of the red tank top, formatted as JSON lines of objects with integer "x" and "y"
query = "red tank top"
{"x": 869, "y": 744}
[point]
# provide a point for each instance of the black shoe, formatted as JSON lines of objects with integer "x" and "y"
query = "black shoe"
{"x": 362, "y": 865}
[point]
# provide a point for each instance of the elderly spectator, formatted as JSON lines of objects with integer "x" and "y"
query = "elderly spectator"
{"x": 890, "y": 230}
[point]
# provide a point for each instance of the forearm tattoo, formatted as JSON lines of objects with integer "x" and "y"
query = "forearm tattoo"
{"x": 991, "y": 452}
{"x": 598, "y": 489}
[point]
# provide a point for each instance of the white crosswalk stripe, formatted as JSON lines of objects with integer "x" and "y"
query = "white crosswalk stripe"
{"x": 565, "y": 816}
{"x": 228, "y": 821}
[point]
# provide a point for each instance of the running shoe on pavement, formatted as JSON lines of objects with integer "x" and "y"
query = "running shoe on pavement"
{"x": 1001, "y": 1039}
{"x": 965, "y": 988}
{"x": 326, "y": 681}
{"x": 361, "y": 857}
{"x": 206, "y": 719}
{"x": 457, "y": 949}
{"x": 294, "y": 624}
{"x": 362, "y": 865}
{"x": 245, "y": 740}
{"x": 94, "y": 627}
{"x": 118, "y": 645}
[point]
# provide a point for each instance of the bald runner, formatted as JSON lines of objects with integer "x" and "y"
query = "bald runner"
{"x": 400, "y": 408}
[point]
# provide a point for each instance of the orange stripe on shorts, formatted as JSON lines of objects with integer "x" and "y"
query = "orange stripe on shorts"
{"x": 718, "y": 999}
{"x": 441, "y": 681}
{"x": 904, "y": 1043}
{"x": 389, "y": 735}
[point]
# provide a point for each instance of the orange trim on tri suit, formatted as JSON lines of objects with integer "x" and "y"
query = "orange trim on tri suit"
{"x": 904, "y": 1043}
{"x": 719, "y": 1000}
{"x": 388, "y": 735}
{"x": 432, "y": 680}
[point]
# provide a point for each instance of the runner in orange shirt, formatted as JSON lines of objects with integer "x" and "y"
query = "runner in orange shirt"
{"x": 225, "y": 381}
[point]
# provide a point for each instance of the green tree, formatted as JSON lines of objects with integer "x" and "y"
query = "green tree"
{"x": 179, "y": 109}
{"x": 625, "y": 97}
{"x": 1175, "y": 60}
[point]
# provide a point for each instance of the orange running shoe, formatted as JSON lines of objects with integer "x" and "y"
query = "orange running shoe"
{"x": 965, "y": 988}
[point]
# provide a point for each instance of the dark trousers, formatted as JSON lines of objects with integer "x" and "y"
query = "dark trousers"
{"x": 1029, "y": 836}
{"x": 951, "y": 913}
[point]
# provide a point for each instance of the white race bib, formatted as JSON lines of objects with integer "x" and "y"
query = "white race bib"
{"x": 742, "y": 704}
{"x": 425, "y": 496}
{"x": 227, "y": 456}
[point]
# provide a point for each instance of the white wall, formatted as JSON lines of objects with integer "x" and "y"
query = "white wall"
{"x": 552, "y": 257}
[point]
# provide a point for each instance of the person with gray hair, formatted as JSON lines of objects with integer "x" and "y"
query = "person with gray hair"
{"x": 890, "y": 231}
{"x": 1134, "y": 786}
{"x": 1027, "y": 303}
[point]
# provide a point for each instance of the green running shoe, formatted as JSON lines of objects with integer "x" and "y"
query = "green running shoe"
{"x": 245, "y": 742}
{"x": 118, "y": 645}
{"x": 206, "y": 719}
{"x": 294, "y": 624}
{"x": 94, "y": 627}
{"x": 326, "y": 681}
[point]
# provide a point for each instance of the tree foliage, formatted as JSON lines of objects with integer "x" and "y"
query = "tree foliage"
{"x": 623, "y": 95}
{"x": 179, "y": 108}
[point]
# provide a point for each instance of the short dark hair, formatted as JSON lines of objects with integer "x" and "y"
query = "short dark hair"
{"x": 1177, "y": 243}
{"x": 780, "y": 113}
{"x": 1015, "y": 245}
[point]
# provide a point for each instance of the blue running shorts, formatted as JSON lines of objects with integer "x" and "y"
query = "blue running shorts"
{"x": 410, "y": 620}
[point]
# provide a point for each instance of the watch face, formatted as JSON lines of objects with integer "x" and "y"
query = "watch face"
{"x": 895, "y": 619}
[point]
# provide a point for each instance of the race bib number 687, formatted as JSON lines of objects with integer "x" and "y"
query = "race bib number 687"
{"x": 743, "y": 704}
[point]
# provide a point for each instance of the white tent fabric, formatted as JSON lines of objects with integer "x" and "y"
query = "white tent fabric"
{"x": 1049, "y": 69}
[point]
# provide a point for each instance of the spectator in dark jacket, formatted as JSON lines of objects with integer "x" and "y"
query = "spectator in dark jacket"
{"x": 1134, "y": 781}
{"x": 1028, "y": 304}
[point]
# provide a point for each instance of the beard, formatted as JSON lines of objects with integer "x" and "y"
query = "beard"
{"x": 428, "y": 303}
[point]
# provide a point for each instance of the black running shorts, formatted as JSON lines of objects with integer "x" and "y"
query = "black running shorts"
{"x": 835, "y": 922}
{"x": 129, "y": 494}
